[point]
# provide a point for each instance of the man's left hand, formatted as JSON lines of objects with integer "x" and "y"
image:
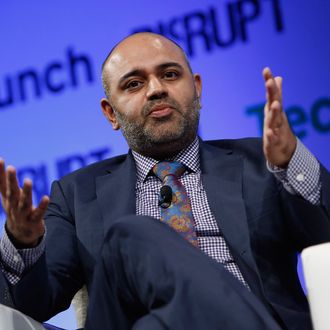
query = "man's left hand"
{"x": 279, "y": 142}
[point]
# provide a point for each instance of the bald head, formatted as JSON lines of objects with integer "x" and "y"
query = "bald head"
{"x": 134, "y": 44}
{"x": 152, "y": 95}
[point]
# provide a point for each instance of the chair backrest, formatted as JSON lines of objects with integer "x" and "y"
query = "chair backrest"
{"x": 80, "y": 304}
{"x": 316, "y": 266}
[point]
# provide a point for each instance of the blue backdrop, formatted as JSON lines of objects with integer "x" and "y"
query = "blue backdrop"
{"x": 51, "y": 53}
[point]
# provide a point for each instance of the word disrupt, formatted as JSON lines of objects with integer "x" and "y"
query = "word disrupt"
{"x": 214, "y": 28}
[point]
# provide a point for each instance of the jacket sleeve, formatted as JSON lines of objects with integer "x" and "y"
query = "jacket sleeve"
{"x": 310, "y": 224}
{"x": 49, "y": 286}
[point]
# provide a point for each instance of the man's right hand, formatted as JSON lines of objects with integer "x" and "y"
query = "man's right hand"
{"x": 24, "y": 221}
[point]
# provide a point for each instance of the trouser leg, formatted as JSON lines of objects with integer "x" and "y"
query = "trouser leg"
{"x": 149, "y": 274}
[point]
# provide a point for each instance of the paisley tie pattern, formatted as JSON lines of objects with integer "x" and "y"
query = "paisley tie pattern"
{"x": 178, "y": 213}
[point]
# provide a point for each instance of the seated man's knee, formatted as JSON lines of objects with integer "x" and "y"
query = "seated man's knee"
{"x": 136, "y": 227}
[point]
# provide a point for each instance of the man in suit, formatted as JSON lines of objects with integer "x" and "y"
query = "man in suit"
{"x": 249, "y": 220}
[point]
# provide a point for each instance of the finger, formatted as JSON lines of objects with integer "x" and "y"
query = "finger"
{"x": 268, "y": 76}
{"x": 273, "y": 86}
{"x": 39, "y": 212}
{"x": 267, "y": 73}
{"x": 12, "y": 189}
{"x": 25, "y": 202}
{"x": 3, "y": 188}
{"x": 279, "y": 82}
{"x": 272, "y": 91}
{"x": 273, "y": 117}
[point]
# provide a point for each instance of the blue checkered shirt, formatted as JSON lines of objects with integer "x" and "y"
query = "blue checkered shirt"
{"x": 301, "y": 177}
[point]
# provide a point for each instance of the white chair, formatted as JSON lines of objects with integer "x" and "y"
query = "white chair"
{"x": 316, "y": 267}
{"x": 80, "y": 303}
{"x": 11, "y": 319}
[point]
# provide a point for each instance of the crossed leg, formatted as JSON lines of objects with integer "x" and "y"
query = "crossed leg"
{"x": 148, "y": 277}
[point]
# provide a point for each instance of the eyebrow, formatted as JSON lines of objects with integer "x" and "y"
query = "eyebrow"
{"x": 140, "y": 72}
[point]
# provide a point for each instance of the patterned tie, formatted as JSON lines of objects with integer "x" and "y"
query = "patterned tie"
{"x": 176, "y": 212}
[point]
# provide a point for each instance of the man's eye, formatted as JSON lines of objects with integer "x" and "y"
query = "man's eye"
{"x": 133, "y": 84}
{"x": 170, "y": 75}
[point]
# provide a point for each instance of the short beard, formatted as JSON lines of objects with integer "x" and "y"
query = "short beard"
{"x": 142, "y": 140}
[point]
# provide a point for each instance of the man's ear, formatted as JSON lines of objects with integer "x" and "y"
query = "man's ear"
{"x": 198, "y": 84}
{"x": 109, "y": 113}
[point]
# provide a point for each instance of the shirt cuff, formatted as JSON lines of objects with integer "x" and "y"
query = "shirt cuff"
{"x": 15, "y": 261}
{"x": 302, "y": 175}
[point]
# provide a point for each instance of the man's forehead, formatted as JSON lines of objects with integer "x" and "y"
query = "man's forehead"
{"x": 139, "y": 49}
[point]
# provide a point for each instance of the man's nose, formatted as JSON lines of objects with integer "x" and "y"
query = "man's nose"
{"x": 156, "y": 89}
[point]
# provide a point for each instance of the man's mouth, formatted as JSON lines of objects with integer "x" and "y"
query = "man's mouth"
{"x": 160, "y": 111}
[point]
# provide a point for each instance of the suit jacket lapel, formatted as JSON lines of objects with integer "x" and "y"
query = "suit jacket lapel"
{"x": 222, "y": 179}
{"x": 222, "y": 176}
{"x": 115, "y": 192}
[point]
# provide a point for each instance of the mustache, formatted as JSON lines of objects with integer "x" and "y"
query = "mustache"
{"x": 147, "y": 108}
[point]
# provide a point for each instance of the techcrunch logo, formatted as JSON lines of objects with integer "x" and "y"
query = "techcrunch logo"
{"x": 73, "y": 70}
{"x": 318, "y": 116}
{"x": 208, "y": 28}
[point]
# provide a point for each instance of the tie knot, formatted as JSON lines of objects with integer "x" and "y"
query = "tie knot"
{"x": 163, "y": 169}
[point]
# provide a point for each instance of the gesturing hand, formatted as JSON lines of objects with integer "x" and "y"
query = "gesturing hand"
{"x": 279, "y": 142}
{"x": 24, "y": 222}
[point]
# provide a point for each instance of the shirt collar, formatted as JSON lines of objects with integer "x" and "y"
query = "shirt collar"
{"x": 188, "y": 156}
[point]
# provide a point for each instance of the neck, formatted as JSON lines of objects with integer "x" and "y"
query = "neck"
{"x": 168, "y": 150}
